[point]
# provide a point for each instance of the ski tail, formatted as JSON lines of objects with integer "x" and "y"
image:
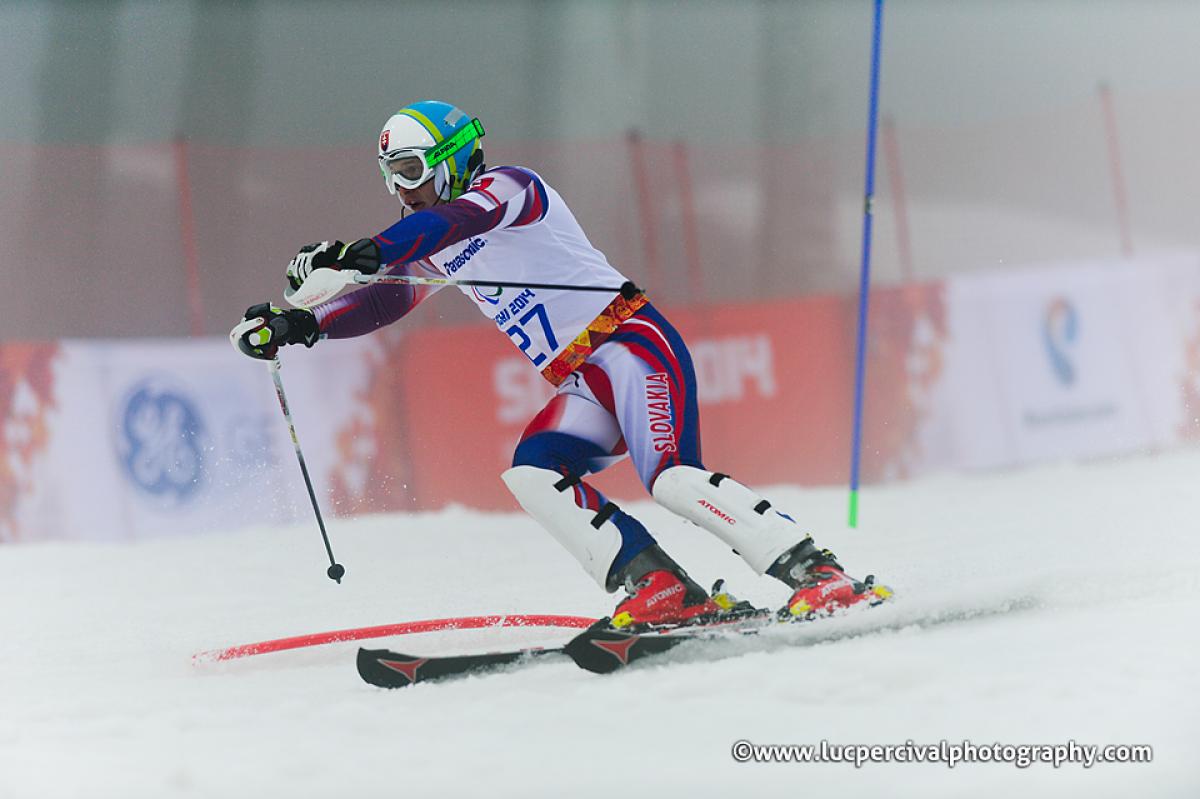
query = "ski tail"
{"x": 387, "y": 669}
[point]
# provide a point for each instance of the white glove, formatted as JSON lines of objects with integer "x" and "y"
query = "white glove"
{"x": 361, "y": 256}
{"x": 313, "y": 256}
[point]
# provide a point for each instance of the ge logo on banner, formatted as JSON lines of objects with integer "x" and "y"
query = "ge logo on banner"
{"x": 1060, "y": 328}
{"x": 160, "y": 443}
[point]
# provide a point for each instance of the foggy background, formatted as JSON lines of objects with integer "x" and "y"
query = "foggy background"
{"x": 160, "y": 162}
{"x": 1031, "y": 424}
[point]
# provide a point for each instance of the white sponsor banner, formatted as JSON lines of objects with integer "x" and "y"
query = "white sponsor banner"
{"x": 1177, "y": 411}
{"x": 173, "y": 437}
{"x": 1064, "y": 361}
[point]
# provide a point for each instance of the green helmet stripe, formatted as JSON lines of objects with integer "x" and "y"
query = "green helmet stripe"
{"x": 468, "y": 133}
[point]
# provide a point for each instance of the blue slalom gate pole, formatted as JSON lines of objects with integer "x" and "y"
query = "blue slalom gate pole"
{"x": 864, "y": 286}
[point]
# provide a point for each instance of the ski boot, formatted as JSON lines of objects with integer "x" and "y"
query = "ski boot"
{"x": 820, "y": 586}
{"x": 662, "y": 594}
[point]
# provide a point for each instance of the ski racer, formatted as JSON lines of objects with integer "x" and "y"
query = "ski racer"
{"x": 623, "y": 376}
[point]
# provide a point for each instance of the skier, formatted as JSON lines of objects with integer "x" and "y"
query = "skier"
{"x": 624, "y": 379}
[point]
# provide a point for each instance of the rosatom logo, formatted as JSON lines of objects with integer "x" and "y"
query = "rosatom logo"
{"x": 1060, "y": 329}
{"x": 160, "y": 443}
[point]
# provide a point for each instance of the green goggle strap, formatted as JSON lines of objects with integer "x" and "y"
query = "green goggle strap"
{"x": 450, "y": 146}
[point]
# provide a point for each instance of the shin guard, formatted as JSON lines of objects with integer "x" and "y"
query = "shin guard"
{"x": 730, "y": 511}
{"x": 590, "y": 536}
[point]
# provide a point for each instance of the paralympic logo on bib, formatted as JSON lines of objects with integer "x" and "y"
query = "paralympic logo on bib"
{"x": 160, "y": 443}
{"x": 1060, "y": 329}
{"x": 490, "y": 299}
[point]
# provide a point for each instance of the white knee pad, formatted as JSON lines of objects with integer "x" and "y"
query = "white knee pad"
{"x": 547, "y": 496}
{"x": 730, "y": 511}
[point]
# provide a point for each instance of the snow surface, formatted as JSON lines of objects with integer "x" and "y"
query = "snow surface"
{"x": 1035, "y": 607}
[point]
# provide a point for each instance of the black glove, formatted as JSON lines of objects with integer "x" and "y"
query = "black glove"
{"x": 266, "y": 328}
{"x": 361, "y": 256}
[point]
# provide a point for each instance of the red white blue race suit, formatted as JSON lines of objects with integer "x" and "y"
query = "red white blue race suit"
{"x": 625, "y": 381}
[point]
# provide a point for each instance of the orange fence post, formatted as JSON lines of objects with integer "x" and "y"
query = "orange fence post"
{"x": 1114, "y": 164}
{"x": 645, "y": 207}
{"x": 687, "y": 210}
{"x": 187, "y": 236}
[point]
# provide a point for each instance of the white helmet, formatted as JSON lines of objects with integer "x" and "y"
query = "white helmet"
{"x": 431, "y": 139}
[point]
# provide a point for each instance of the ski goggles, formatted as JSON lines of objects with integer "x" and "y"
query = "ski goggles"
{"x": 410, "y": 167}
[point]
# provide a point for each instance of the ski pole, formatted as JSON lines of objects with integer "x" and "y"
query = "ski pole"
{"x": 366, "y": 280}
{"x": 324, "y": 284}
{"x": 335, "y": 570}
